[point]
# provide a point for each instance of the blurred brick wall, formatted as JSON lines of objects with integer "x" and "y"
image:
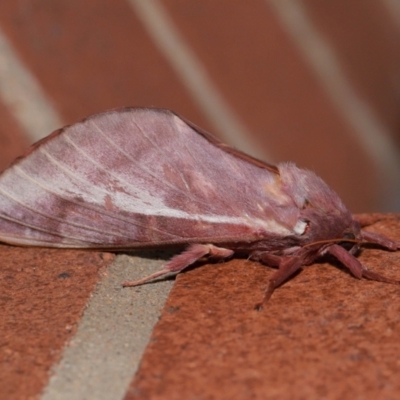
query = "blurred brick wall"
{"x": 308, "y": 81}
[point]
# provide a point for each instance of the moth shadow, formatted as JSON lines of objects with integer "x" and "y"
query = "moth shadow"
{"x": 164, "y": 254}
{"x": 334, "y": 262}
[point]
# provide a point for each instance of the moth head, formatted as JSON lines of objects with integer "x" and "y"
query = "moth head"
{"x": 352, "y": 237}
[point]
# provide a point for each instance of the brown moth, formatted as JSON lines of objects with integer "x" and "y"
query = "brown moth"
{"x": 136, "y": 178}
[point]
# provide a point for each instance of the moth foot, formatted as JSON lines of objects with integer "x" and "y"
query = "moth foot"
{"x": 267, "y": 295}
{"x": 148, "y": 278}
{"x": 373, "y": 276}
{"x": 192, "y": 254}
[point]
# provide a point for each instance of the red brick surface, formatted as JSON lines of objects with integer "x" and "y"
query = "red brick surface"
{"x": 372, "y": 57}
{"x": 12, "y": 140}
{"x": 323, "y": 334}
{"x": 91, "y": 56}
{"x": 43, "y": 295}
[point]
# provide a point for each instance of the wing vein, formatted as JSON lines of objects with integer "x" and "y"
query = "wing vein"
{"x": 37, "y": 228}
{"x": 209, "y": 218}
{"x": 139, "y": 166}
{"x": 162, "y": 154}
{"x": 62, "y": 220}
{"x": 83, "y": 204}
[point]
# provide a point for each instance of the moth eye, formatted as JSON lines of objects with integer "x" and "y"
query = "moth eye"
{"x": 347, "y": 245}
{"x": 349, "y": 235}
{"x": 301, "y": 227}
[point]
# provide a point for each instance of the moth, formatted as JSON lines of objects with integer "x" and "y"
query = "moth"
{"x": 134, "y": 178}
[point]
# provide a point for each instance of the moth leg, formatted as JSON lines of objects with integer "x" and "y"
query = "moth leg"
{"x": 382, "y": 240}
{"x": 183, "y": 260}
{"x": 355, "y": 266}
{"x": 287, "y": 267}
{"x": 266, "y": 258}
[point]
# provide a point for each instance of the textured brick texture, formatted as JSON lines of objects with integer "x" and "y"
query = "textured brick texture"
{"x": 43, "y": 295}
{"x": 323, "y": 334}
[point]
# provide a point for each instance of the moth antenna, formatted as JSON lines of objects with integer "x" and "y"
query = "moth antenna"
{"x": 194, "y": 253}
{"x": 337, "y": 240}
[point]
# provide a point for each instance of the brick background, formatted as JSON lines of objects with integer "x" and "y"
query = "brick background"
{"x": 87, "y": 56}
